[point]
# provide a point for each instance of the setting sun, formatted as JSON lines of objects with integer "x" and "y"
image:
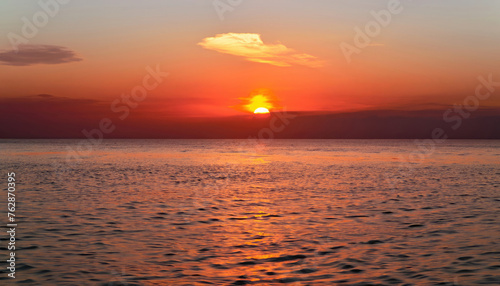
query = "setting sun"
{"x": 260, "y": 101}
{"x": 261, "y": 110}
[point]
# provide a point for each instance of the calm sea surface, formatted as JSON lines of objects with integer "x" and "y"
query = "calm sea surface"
{"x": 234, "y": 212}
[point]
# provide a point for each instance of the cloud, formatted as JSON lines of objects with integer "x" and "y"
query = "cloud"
{"x": 251, "y": 47}
{"x": 44, "y": 99}
{"x": 44, "y": 95}
{"x": 28, "y": 55}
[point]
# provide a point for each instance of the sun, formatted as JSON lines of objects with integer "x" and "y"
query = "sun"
{"x": 261, "y": 110}
{"x": 260, "y": 101}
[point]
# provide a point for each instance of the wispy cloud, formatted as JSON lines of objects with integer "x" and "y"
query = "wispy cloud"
{"x": 44, "y": 95}
{"x": 251, "y": 47}
{"x": 28, "y": 55}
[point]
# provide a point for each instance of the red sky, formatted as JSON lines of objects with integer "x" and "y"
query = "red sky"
{"x": 89, "y": 53}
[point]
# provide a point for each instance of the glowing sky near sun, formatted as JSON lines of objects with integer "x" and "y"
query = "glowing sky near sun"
{"x": 429, "y": 56}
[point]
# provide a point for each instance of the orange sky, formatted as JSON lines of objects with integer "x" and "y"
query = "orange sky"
{"x": 426, "y": 56}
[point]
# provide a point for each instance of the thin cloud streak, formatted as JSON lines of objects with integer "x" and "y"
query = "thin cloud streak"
{"x": 28, "y": 55}
{"x": 251, "y": 47}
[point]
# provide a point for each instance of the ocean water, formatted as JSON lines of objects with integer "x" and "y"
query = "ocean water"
{"x": 236, "y": 212}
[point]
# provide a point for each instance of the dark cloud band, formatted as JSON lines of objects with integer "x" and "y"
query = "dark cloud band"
{"x": 28, "y": 55}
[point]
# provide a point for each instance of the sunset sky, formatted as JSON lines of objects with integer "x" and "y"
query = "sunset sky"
{"x": 89, "y": 53}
